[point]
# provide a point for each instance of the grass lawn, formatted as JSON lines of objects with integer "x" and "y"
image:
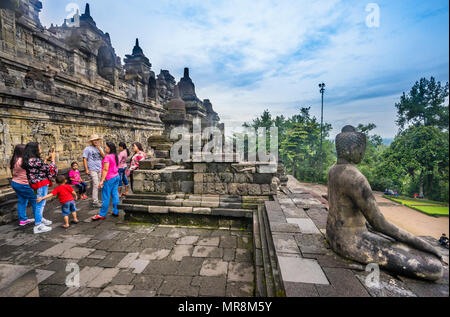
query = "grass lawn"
{"x": 432, "y": 208}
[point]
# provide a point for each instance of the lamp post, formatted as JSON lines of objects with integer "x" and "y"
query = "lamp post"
{"x": 322, "y": 91}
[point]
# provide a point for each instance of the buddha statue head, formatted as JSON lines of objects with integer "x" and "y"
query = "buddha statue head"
{"x": 350, "y": 146}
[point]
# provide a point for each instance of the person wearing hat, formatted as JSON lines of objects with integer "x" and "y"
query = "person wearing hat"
{"x": 92, "y": 158}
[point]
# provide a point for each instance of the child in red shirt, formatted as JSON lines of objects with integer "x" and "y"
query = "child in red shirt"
{"x": 67, "y": 197}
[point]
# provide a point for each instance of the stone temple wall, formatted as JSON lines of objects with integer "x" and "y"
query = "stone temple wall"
{"x": 60, "y": 85}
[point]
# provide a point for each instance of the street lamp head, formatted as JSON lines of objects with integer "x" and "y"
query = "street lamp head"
{"x": 322, "y": 87}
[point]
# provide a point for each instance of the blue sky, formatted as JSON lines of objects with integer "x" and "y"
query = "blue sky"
{"x": 247, "y": 56}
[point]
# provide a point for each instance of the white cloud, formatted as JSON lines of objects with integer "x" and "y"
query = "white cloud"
{"x": 247, "y": 56}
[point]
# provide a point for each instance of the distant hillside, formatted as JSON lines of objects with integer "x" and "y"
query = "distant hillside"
{"x": 388, "y": 141}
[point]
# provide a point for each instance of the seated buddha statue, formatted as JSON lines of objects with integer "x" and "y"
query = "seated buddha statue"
{"x": 352, "y": 205}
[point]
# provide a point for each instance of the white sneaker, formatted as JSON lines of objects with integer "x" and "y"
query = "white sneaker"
{"x": 46, "y": 222}
{"x": 41, "y": 229}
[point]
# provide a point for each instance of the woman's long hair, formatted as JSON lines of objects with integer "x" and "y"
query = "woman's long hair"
{"x": 124, "y": 146}
{"x": 18, "y": 153}
{"x": 139, "y": 146}
{"x": 31, "y": 151}
{"x": 113, "y": 150}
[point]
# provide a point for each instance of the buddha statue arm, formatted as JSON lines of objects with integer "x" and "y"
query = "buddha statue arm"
{"x": 363, "y": 197}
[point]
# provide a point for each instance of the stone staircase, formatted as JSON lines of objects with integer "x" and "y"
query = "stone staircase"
{"x": 267, "y": 273}
{"x": 189, "y": 204}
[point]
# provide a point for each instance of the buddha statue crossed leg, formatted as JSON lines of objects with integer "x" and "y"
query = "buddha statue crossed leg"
{"x": 352, "y": 203}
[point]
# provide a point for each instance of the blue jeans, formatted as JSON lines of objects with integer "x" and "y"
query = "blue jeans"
{"x": 123, "y": 178}
{"x": 110, "y": 188}
{"x": 24, "y": 194}
{"x": 68, "y": 208}
{"x": 41, "y": 192}
{"x": 81, "y": 188}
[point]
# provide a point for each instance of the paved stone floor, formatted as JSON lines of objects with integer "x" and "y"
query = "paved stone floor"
{"x": 120, "y": 259}
{"x": 310, "y": 268}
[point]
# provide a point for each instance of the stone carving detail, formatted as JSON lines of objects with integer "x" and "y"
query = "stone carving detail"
{"x": 352, "y": 204}
{"x": 166, "y": 86}
{"x": 106, "y": 63}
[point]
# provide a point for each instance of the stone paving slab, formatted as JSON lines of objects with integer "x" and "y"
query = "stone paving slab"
{"x": 302, "y": 270}
{"x": 343, "y": 284}
{"x": 214, "y": 267}
{"x": 306, "y": 225}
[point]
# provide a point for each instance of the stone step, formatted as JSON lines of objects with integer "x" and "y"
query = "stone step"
{"x": 162, "y": 197}
{"x": 165, "y": 207}
{"x": 275, "y": 270}
{"x": 146, "y": 202}
{"x": 268, "y": 278}
{"x": 260, "y": 281}
{"x": 18, "y": 281}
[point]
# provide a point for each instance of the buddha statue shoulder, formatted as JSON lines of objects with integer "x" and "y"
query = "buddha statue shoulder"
{"x": 352, "y": 205}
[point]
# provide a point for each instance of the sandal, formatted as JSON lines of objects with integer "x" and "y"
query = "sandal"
{"x": 97, "y": 218}
{"x": 63, "y": 226}
{"x": 75, "y": 222}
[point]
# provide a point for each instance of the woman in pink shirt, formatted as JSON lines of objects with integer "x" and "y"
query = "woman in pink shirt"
{"x": 109, "y": 182}
{"x": 123, "y": 157}
{"x": 21, "y": 186}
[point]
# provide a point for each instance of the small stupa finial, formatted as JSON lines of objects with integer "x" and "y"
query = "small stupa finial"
{"x": 87, "y": 10}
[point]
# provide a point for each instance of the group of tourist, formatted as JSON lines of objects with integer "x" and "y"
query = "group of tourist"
{"x": 32, "y": 176}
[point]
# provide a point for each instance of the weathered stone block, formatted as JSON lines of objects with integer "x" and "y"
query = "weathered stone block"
{"x": 209, "y": 188}
{"x": 230, "y": 205}
{"x": 138, "y": 186}
{"x": 209, "y": 178}
{"x": 198, "y": 188}
{"x": 180, "y": 210}
{"x": 166, "y": 177}
{"x": 187, "y": 186}
{"x": 210, "y": 204}
{"x": 183, "y": 175}
{"x": 225, "y": 212}
{"x": 198, "y": 177}
{"x": 233, "y": 189}
{"x": 200, "y": 167}
{"x": 147, "y": 164}
{"x": 226, "y": 177}
{"x": 242, "y": 189}
{"x": 254, "y": 189}
{"x": 201, "y": 211}
{"x": 221, "y": 188}
{"x": 242, "y": 178}
{"x": 262, "y": 178}
{"x": 192, "y": 203}
{"x": 175, "y": 202}
{"x": 158, "y": 209}
{"x": 265, "y": 189}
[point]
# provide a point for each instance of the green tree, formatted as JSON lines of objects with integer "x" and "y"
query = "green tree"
{"x": 299, "y": 141}
{"x": 424, "y": 105}
{"x": 418, "y": 151}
